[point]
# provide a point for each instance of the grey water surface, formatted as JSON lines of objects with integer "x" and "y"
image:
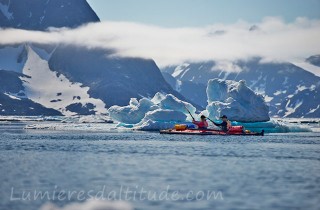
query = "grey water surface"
{"x": 153, "y": 171}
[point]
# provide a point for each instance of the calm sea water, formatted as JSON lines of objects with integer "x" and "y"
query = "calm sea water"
{"x": 277, "y": 171}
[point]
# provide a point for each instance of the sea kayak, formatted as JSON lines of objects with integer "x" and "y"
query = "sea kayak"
{"x": 209, "y": 132}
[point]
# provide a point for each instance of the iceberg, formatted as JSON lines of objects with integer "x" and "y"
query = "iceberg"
{"x": 236, "y": 100}
{"x": 173, "y": 103}
{"x": 161, "y": 119}
{"x": 274, "y": 126}
{"x": 161, "y": 112}
{"x": 134, "y": 112}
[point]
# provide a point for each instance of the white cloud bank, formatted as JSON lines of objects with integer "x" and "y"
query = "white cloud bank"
{"x": 272, "y": 39}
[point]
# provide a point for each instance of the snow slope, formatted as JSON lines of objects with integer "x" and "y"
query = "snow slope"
{"x": 54, "y": 90}
{"x": 309, "y": 66}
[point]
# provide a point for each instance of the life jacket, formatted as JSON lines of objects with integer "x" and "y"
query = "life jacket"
{"x": 201, "y": 125}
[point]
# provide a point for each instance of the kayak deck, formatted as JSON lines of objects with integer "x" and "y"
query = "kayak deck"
{"x": 208, "y": 132}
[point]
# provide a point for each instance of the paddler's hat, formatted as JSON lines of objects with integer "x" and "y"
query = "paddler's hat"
{"x": 223, "y": 117}
{"x": 203, "y": 117}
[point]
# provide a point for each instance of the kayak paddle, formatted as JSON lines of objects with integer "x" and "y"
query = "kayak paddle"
{"x": 189, "y": 112}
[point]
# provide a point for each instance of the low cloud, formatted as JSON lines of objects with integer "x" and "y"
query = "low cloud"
{"x": 272, "y": 39}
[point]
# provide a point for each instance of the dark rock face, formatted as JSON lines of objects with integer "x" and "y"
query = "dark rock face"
{"x": 114, "y": 80}
{"x": 10, "y": 82}
{"x": 82, "y": 110}
{"x": 41, "y": 14}
{"x": 278, "y": 81}
{"x": 23, "y": 107}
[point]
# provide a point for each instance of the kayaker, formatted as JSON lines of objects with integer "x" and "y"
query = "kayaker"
{"x": 225, "y": 125}
{"x": 203, "y": 124}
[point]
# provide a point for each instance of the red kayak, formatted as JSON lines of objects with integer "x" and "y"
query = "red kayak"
{"x": 210, "y": 132}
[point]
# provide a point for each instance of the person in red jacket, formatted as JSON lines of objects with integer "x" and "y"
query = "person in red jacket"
{"x": 203, "y": 124}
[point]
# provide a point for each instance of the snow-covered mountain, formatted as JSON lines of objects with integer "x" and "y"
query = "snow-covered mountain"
{"x": 32, "y": 79}
{"x": 13, "y": 100}
{"x": 66, "y": 79}
{"x": 290, "y": 90}
{"x": 114, "y": 80}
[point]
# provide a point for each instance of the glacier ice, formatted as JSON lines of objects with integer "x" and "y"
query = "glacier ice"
{"x": 161, "y": 119}
{"x": 274, "y": 126}
{"x": 236, "y": 100}
{"x": 162, "y": 111}
{"x": 134, "y": 112}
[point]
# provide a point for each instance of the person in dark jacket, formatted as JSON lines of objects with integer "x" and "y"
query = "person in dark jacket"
{"x": 225, "y": 125}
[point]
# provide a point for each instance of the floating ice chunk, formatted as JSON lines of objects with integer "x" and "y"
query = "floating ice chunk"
{"x": 165, "y": 115}
{"x": 134, "y": 112}
{"x": 160, "y": 119}
{"x": 236, "y": 100}
{"x": 217, "y": 90}
{"x": 133, "y": 102}
{"x": 158, "y": 97}
{"x": 173, "y": 103}
{"x": 160, "y": 108}
{"x": 74, "y": 126}
{"x": 150, "y": 125}
{"x": 274, "y": 126}
{"x": 95, "y": 119}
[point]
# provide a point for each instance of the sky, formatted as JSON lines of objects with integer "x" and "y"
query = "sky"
{"x": 180, "y": 31}
{"x": 198, "y": 13}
